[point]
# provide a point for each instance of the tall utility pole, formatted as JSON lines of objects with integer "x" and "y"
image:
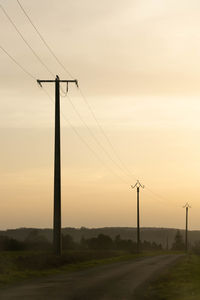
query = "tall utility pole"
{"x": 186, "y": 206}
{"x": 138, "y": 185}
{"x": 57, "y": 166}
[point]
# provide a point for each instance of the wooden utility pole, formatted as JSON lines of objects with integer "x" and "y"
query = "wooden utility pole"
{"x": 57, "y": 166}
{"x": 138, "y": 185}
{"x": 186, "y": 206}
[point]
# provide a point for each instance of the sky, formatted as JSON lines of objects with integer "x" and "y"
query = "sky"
{"x": 137, "y": 63}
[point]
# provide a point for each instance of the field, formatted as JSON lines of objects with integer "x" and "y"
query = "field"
{"x": 20, "y": 265}
{"x": 181, "y": 282}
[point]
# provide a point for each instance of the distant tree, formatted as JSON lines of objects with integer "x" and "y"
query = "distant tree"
{"x": 117, "y": 238}
{"x": 36, "y": 241}
{"x": 33, "y": 236}
{"x": 178, "y": 243}
{"x": 83, "y": 243}
{"x": 196, "y": 248}
{"x": 117, "y": 241}
{"x": 14, "y": 245}
{"x": 146, "y": 245}
{"x": 150, "y": 246}
{"x": 124, "y": 244}
{"x": 68, "y": 242}
{"x": 3, "y": 242}
{"x": 10, "y": 244}
{"x": 102, "y": 242}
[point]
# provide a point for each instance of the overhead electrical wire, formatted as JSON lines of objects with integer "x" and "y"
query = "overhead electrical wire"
{"x": 64, "y": 117}
{"x": 105, "y": 135}
{"x": 43, "y": 39}
{"x": 94, "y": 137}
{"x": 17, "y": 63}
{"x": 128, "y": 173}
{"x": 81, "y": 93}
{"x": 84, "y": 142}
{"x": 160, "y": 200}
{"x": 33, "y": 52}
{"x": 25, "y": 41}
{"x": 92, "y": 134}
{"x": 158, "y": 196}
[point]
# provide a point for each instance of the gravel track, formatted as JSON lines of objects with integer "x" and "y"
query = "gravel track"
{"x": 118, "y": 281}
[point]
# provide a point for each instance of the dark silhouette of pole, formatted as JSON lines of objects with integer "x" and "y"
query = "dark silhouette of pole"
{"x": 57, "y": 166}
{"x": 57, "y": 174}
{"x": 138, "y": 185}
{"x": 186, "y": 206}
{"x": 138, "y": 218}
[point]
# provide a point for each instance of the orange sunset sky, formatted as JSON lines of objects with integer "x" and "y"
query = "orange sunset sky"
{"x": 138, "y": 65}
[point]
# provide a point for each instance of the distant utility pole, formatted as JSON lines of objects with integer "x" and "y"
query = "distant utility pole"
{"x": 186, "y": 206}
{"x": 138, "y": 185}
{"x": 57, "y": 166}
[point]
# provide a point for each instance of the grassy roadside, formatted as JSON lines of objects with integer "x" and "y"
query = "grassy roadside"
{"x": 21, "y": 265}
{"x": 182, "y": 282}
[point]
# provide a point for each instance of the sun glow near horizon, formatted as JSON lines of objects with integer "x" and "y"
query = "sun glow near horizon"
{"x": 138, "y": 64}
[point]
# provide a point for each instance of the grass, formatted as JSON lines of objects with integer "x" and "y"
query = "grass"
{"x": 181, "y": 282}
{"x": 20, "y": 265}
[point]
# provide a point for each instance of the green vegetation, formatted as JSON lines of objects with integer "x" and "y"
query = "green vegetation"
{"x": 36, "y": 241}
{"x": 19, "y": 265}
{"x": 178, "y": 244}
{"x": 32, "y": 256}
{"x": 158, "y": 235}
{"x": 180, "y": 283}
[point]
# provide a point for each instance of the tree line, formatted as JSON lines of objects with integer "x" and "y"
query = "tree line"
{"x": 36, "y": 241}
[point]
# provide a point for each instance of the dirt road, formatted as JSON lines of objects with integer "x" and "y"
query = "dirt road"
{"x": 113, "y": 281}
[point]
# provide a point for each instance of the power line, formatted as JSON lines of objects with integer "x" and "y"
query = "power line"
{"x": 51, "y": 51}
{"x": 160, "y": 198}
{"x": 94, "y": 137}
{"x": 125, "y": 169}
{"x": 70, "y": 124}
{"x": 25, "y": 41}
{"x": 76, "y": 132}
{"x": 64, "y": 117}
{"x": 43, "y": 39}
{"x": 105, "y": 135}
{"x": 74, "y": 129}
{"x": 82, "y": 95}
{"x": 83, "y": 140}
{"x": 155, "y": 194}
{"x": 111, "y": 146}
{"x": 17, "y": 63}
